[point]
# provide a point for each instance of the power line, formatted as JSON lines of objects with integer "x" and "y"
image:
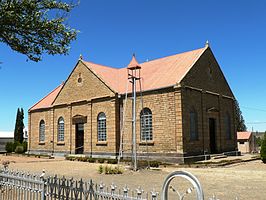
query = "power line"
{"x": 255, "y": 122}
{"x": 257, "y": 109}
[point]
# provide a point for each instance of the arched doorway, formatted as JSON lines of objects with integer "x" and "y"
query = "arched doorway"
{"x": 79, "y": 122}
{"x": 79, "y": 144}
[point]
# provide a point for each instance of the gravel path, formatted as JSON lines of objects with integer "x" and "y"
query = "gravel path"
{"x": 245, "y": 181}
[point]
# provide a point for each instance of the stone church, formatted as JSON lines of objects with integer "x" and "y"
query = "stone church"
{"x": 184, "y": 108}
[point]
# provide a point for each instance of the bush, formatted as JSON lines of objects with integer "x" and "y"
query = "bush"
{"x": 110, "y": 170}
{"x": 100, "y": 169}
{"x": 91, "y": 160}
{"x": 112, "y": 161}
{"x": 263, "y": 150}
{"x": 9, "y": 147}
{"x": 155, "y": 164}
{"x": 19, "y": 149}
{"x": 25, "y": 146}
{"x": 100, "y": 160}
{"x": 15, "y": 144}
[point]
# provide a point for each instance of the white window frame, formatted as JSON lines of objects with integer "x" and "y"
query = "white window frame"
{"x": 61, "y": 130}
{"x": 101, "y": 127}
{"x": 42, "y": 131}
{"x": 146, "y": 130}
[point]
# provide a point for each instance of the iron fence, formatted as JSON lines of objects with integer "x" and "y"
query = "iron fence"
{"x": 24, "y": 186}
{"x": 20, "y": 185}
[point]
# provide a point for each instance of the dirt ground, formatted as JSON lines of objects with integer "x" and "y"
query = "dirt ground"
{"x": 244, "y": 180}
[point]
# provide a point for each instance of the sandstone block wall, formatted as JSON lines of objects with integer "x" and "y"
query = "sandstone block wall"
{"x": 165, "y": 106}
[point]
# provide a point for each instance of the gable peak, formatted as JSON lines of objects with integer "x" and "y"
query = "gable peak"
{"x": 207, "y": 44}
{"x": 80, "y": 57}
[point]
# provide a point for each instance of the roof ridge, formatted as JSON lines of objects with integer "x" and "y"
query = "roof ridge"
{"x": 118, "y": 68}
{"x": 194, "y": 61}
{"x": 99, "y": 76}
{"x": 46, "y": 96}
{"x": 173, "y": 55}
{"x": 100, "y": 65}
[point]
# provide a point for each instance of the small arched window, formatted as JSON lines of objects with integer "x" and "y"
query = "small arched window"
{"x": 42, "y": 131}
{"x": 61, "y": 129}
{"x": 193, "y": 127}
{"x": 146, "y": 125}
{"x": 101, "y": 120}
{"x": 227, "y": 121}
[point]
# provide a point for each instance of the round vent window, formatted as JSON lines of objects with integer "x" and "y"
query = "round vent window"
{"x": 79, "y": 80}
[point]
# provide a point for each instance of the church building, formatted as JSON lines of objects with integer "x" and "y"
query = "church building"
{"x": 184, "y": 109}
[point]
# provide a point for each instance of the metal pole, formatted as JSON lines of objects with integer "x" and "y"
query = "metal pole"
{"x": 134, "y": 124}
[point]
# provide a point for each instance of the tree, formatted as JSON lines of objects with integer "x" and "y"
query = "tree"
{"x": 239, "y": 119}
{"x": 19, "y": 126}
{"x": 35, "y": 27}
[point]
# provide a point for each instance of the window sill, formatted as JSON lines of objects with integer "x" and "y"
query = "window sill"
{"x": 60, "y": 143}
{"x": 41, "y": 143}
{"x": 146, "y": 143}
{"x": 101, "y": 143}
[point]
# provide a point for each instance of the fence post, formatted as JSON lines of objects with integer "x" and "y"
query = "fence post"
{"x": 44, "y": 185}
{"x": 186, "y": 175}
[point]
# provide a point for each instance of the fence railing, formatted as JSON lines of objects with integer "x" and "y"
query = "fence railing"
{"x": 20, "y": 185}
{"x": 24, "y": 186}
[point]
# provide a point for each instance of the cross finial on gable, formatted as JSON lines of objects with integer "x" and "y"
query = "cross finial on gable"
{"x": 80, "y": 57}
{"x": 207, "y": 44}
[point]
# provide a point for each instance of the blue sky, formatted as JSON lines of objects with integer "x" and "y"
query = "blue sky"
{"x": 110, "y": 31}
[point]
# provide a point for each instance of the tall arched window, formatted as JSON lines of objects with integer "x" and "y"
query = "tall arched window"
{"x": 193, "y": 127}
{"x": 61, "y": 129}
{"x": 227, "y": 121}
{"x": 146, "y": 125}
{"x": 101, "y": 120}
{"x": 42, "y": 131}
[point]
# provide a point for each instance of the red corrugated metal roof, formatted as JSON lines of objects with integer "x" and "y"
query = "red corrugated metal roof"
{"x": 155, "y": 74}
{"x": 159, "y": 73}
{"x": 243, "y": 135}
{"x": 47, "y": 101}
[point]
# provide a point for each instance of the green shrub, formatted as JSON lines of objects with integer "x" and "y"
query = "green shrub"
{"x": 91, "y": 160}
{"x": 112, "y": 161}
{"x": 112, "y": 170}
{"x": 71, "y": 158}
{"x": 106, "y": 169}
{"x": 118, "y": 170}
{"x": 19, "y": 149}
{"x": 9, "y": 147}
{"x": 25, "y": 146}
{"x": 83, "y": 159}
{"x": 155, "y": 164}
{"x": 100, "y": 160}
{"x": 15, "y": 144}
{"x": 100, "y": 169}
{"x": 263, "y": 150}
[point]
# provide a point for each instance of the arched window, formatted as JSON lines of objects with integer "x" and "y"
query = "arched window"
{"x": 193, "y": 127}
{"x": 146, "y": 125}
{"x": 61, "y": 129}
{"x": 42, "y": 131}
{"x": 101, "y": 120}
{"x": 227, "y": 121}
